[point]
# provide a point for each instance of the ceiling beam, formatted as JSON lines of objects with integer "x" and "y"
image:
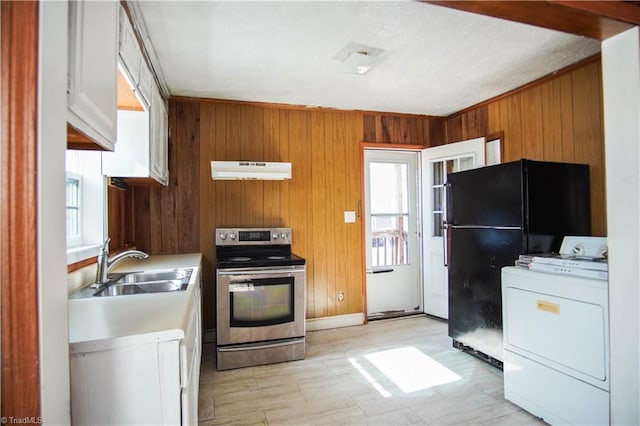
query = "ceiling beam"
{"x": 594, "y": 19}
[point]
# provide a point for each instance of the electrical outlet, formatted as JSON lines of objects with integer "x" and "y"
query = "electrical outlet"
{"x": 340, "y": 296}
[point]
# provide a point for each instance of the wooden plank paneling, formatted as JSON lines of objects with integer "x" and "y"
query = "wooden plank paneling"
{"x": 20, "y": 393}
{"x": 319, "y": 217}
{"x": 531, "y": 115}
{"x": 513, "y": 144}
{"x": 402, "y": 129}
{"x": 186, "y": 197}
{"x": 211, "y": 196}
{"x": 167, "y": 218}
{"x": 558, "y": 119}
{"x": 542, "y": 122}
{"x": 354, "y": 292}
{"x": 566, "y": 108}
{"x": 589, "y": 136}
{"x": 271, "y": 127}
{"x": 550, "y": 95}
{"x": 120, "y": 217}
{"x": 340, "y": 205}
{"x": 466, "y": 125}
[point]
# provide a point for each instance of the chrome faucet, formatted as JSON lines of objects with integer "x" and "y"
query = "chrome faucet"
{"x": 104, "y": 263}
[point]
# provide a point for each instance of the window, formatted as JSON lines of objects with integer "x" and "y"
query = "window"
{"x": 85, "y": 204}
{"x": 389, "y": 214}
{"x": 438, "y": 196}
{"x": 73, "y": 209}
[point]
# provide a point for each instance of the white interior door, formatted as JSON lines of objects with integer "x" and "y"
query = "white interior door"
{"x": 394, "y": 279}
{"x": 436, "y": 163}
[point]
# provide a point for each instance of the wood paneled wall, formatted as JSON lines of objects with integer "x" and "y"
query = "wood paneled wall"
{"x": 403, "y": 129}
{"x": 323, "y": 148}
{"x": 120, "y": 216}
{"x": 560, "y": 119}
{"x": 167, "y": 219}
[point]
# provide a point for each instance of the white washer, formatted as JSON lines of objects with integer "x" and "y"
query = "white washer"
{"x": 556, "y": 346}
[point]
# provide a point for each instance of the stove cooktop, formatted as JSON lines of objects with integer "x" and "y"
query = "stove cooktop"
{"x": 241, "y": 261}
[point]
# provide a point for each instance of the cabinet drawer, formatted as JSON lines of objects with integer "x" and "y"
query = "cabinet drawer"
{"x": 565, "y": 331}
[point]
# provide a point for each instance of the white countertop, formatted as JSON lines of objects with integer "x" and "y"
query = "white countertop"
{"x": 101, "y": 323}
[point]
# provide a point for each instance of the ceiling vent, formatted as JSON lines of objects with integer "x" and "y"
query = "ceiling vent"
{"x": 358, "y": 58}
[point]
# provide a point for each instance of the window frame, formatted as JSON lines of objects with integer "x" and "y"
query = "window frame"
{"x": 93, "y": 207}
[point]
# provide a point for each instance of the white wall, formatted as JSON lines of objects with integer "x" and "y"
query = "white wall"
{"x": 52, "y": 273}
{"x": 621, "y": 84}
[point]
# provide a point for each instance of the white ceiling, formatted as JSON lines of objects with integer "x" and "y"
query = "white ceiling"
{"x": 436, "y": 61}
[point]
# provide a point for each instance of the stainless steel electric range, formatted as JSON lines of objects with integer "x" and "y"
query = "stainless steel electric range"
{"x": 260, "y": 289}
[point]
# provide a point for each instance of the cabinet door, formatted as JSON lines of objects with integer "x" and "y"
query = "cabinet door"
{"x": 128, "y": 49}
{"x": 93, "y": 50}
{"x": 146, "y": 83}
{"x": 159, "y": 138}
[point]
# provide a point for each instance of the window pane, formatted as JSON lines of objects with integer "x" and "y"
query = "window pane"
{"x": 466, "y": 163}
{"x": 73, "y": 207}
{"x": 389, "y": 188}
{"x": 389, "y": 245}
{"x": 437, "y": 225}
{"x": 437, "y": 173}
{"x": 437, "y": 199}
{"x": 451, "y": 166}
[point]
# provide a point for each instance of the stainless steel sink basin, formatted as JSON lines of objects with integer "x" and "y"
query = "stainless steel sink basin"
{"x": 119, "y": 289}
{"x": 142, "y": 277}
{"x": 139, "y": 282}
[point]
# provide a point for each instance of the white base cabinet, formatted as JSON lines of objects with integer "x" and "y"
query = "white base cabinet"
{"x": 148, "y": 383}
{"x": 133, "y": 385}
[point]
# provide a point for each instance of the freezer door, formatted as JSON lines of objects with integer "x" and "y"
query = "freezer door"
{"x": 489, "y": 196}
{"x": 557, "y": 200}
{"x": 475, "y": 295}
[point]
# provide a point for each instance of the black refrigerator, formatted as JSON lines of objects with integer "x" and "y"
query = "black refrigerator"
{"x": 494, "y": 214}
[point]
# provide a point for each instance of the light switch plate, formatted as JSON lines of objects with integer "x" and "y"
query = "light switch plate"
{"x": 349, "y": 217}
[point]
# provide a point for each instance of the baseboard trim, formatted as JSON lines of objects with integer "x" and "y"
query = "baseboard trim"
{"x": 336, "y": 321}
{"x": 313, "y": 324}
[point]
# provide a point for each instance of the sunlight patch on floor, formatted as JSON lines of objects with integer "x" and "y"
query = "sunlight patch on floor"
{"x": 369, "y": 378}
{"x": 410, "y": 369}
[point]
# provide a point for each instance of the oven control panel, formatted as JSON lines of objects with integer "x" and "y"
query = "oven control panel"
{"x": 252, "y": 236}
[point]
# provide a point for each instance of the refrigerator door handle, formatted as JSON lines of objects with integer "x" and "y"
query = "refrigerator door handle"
{"x": 379, "y": 270}
{"x": 445, "y": 225}
{"x": 445, "y": 244}
{"x": 484, "y": 227}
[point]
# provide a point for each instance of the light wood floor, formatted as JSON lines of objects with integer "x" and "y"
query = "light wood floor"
{"x": 390, "y": 372}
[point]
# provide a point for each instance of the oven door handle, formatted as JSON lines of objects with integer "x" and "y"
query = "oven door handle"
{"x": 245, "y": 272}
{"x": 251, "y": 347}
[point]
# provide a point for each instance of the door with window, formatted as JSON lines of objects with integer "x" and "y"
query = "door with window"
{"x": 393, "y": 280}
{"x": 436, "y": 163}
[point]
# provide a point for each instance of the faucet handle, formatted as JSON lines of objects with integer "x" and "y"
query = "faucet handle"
{"x": 105, "y": 245}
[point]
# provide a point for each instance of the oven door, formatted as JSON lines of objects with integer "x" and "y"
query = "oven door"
{"x": 261, "y": 304}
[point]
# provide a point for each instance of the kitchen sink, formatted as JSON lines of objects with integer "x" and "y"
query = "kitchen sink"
{"x": 139, "y": 282}
{"x": 149, "y": 276}
{"x": 142, "y": 287}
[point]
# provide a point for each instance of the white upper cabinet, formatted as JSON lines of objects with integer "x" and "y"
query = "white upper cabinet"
{"x": 128, "y": 48}
{"x": 142, "y": 139}
{"x": 145, "y": 83}
{"x": 159, "y": 137}
{"x": 92, "y": 87}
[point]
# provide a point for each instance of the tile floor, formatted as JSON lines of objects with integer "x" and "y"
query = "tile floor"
{"x": 390, "y": 372}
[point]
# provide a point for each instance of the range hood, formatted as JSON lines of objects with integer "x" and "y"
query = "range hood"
{"x": 250, "y": 170}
